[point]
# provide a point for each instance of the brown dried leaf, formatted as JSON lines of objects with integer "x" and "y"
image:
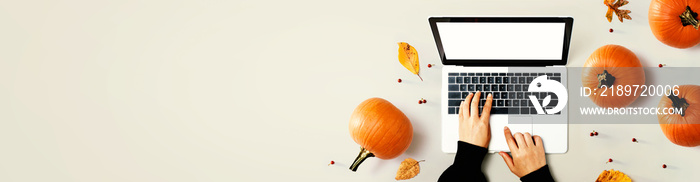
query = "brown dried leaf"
{"x": 613, "y": 176}
{"x": 624, "y": 2}
{"x": 613, "y": 6}
{"x": 408, "y": 169}
{"x": 623, "y": 14}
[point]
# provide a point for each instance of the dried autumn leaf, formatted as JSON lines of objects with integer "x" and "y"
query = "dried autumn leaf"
{"x": 408, "y": 169}
{"x": 613, "y": 176}
{"x": 613, "y": 7}
{"x": 408, "y": 56}
{"x": 623, "y": 14}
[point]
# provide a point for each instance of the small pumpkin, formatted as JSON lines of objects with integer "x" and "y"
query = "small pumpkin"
{"x": 381, "y": 129}
{"x": 608, "y": 67}
{"x": 682, "y": 129}
{"x": 675, "y": 22}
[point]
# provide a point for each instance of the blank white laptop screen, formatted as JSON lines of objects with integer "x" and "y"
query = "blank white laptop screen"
{"x": 501, "y": 41}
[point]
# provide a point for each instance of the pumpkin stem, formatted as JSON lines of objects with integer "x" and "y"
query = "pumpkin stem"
{"x": 364, "y": 154}
{"x": 679, "y": 103}
{"x": 689, "y": 18}
{"x": 606, "y": 79}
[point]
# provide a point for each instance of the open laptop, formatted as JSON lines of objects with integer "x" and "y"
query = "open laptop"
{"x": 518, "y": 59}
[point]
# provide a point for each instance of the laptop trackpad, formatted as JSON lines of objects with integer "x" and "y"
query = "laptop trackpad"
{"x": 520, "y": 124}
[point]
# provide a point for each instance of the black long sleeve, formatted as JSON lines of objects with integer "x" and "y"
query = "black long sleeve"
{"x": 467, "y": 164}
{"x": 540, "y": 175}
{"x": 467, "y": 167}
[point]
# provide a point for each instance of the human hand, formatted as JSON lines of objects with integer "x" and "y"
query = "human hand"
{"x": 474, "y": 129}
{"x": 528, "y": 155}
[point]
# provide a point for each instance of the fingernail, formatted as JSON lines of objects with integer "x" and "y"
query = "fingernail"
{"x": 470, "y": 93}
{"x": 505, "y": 127}
{"x": 490, "y": 95}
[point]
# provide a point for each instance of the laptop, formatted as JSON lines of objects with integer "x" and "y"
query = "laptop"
{"x": 520, "y": 60}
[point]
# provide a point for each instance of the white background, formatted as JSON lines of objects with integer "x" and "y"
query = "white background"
{"x": 533, "y": 41}
{"x": 263, "y": 90}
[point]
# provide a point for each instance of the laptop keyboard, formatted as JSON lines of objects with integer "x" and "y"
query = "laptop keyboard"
{"x": 510, "y": 95}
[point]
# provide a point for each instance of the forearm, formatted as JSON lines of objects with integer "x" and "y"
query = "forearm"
{"x": 467, "y": 164}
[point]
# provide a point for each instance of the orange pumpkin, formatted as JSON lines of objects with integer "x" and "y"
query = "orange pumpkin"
{"x": 682, "y": 129}
{"x": 674, "y": 22}
{"x": 608, "y": 67}
{"x": 381, "y": 129}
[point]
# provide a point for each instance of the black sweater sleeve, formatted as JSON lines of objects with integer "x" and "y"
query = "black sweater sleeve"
{"x": 467, "y": 167}
{"x": 540, "y": 175}
{"x": 467, "y": 164}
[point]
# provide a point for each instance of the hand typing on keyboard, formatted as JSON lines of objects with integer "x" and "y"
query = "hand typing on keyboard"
{"x": 474, "y": 129}
{"x": 527, "y": 151}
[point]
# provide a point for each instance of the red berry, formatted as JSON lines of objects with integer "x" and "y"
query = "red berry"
{"x": 591, "y": 133}
{"x": 332, "y": 162}
{"x": 430, "y": 65}
{"x": 610, "y": 160}
{"x": 420, "y": 101}
{"x": 425, "y": 101}
{"x": 399, "y": 80}
{"x": 664, "y": 166}
{"x": 661, "y": 65}
{"x": 595, "y": 133}
{"x": 634, "y": 140}
{"x": 611, "y": 30}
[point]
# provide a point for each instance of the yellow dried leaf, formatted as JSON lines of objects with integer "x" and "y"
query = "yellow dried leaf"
{"x": 613, "y": 176}
{"x": 408, "y": 56}
{"x": 408, "y": 169}
{"x": 609, "y": 14}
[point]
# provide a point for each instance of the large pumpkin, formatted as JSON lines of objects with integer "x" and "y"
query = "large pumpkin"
{"x": 674, "y": 22}
{"x": 682, "y": 129}
{"x": 381, "y": 129}
{"x": 608, "y": 67}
